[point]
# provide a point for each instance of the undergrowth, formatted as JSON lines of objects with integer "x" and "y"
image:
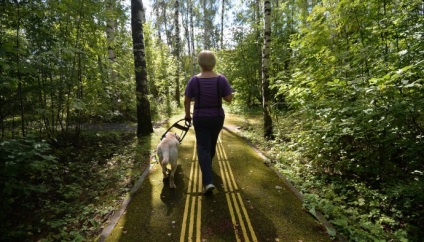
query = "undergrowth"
{"x": 66, "y": 192}
{"x": 358, "y": 211}
{"x": 60, "y": 191}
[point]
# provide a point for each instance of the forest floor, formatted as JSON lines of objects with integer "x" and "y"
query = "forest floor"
{"x": 250, "y": 202}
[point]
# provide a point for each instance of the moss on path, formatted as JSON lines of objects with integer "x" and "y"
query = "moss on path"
{"x": 250, "y": 202}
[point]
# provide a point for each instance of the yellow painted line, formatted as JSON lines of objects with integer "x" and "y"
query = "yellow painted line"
{"x": 187, "y": 203}
{"x": 186, "y": 207}
{"x": 191, "y": 225}
{"x": 227, "y": 194}
{"x": 199, "y": 203}
{"x": 230, "y": 192}
{"x": 249, "y": 224}
{"x": 193, "y": 204}
{"x": 192, "y": 219}
{"x": 230, "y": 187}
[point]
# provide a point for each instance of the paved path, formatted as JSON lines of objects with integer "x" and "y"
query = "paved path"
{"x": 250, "y": 202}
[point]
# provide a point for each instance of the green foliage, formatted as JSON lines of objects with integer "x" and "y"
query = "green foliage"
{"x": 25, "y": 165}
{"x": 57, "y": 72}
{"x": 368, "y": 126}
{"x": 361, "y": 214}
{"x": 357, "y": 91}
{"x": 161, "y": 71}
{"x": 350, "y": 74}
{"x": 358, "y": 211}
{"x": 71, "y": 196}
{"x": 243, "y": 77}
{"x": 347, "y": 80}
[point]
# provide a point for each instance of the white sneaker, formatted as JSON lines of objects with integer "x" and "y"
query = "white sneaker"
{"x": 208, "y": 189}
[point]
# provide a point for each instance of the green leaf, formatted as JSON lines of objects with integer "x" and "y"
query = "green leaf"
{"x": 331, "y": 231}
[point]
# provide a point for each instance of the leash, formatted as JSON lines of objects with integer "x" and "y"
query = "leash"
{"x": 184, "y": 129}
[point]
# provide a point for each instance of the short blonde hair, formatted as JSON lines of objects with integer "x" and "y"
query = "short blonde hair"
{"x": 206, "y": 60}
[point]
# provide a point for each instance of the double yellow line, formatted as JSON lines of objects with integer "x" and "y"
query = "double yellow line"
{"x": 193, "y": 205}
{"x": 239, "y": 216}
{"x": 191, "y": 225}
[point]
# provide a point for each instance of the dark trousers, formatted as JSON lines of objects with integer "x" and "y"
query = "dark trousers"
{"x": 207, "y": 131}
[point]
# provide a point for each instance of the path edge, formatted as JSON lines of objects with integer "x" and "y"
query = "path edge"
{"x": 118, "y": 214}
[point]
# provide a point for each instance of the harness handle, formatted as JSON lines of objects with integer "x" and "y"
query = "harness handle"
{"x": 184, "y": 129}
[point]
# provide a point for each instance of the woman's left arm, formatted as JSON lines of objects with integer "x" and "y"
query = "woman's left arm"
{"x": 228, "y": 98}
{"x": 226, "y": 89}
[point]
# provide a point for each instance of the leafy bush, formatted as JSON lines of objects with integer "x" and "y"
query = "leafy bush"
{"x": 25, "y": 165}
{"x": 361, "y": 208}
{"x": 66, "y": 196}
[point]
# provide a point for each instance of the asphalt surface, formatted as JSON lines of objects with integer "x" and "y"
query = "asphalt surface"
{"x": 250, "y": 202}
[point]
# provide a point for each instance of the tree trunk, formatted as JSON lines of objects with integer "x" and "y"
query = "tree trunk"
{"x": 73, "y": 79}
{"x": 177, "y": 52}
{"x": 193, "y": 58}
{"x": 18, "y": 69}
{"x": 168, "y": 33}
{"x": 186, "y": 26}
{"x": 144, "y": 119}
{"x": 222, "y": 24}
{"x": 259, "y": 45}
{"x": 110, "y": 36}
{"x": 266, "y": 94}
{"x": 157, "y": 6}
{"x": 207, "y": 30}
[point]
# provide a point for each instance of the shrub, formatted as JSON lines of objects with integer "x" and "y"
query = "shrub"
{"x": 24, "y": 166}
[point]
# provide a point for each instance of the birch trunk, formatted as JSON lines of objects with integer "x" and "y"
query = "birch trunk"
{"x": 177, "y": 52}
{"x": 222, "y": 23}
{"x": 193, "y": 59}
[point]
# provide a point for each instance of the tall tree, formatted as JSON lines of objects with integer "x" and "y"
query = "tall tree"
{"x": 206, "y": 30}
{"x": 144, "y": 119}
{"x": 222, "y": 24}
{"x": 266, "y": 94}
{"x": 110, "y": 35}
{"x": 185, "y": 14}
{"x": 193, "y": 59}
{"x": 18, "y": 69}
{"x": 177, "y": 52}
{"x": 209, "y": 10}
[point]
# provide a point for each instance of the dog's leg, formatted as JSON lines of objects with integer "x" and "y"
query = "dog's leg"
{"x": 164, "y": 169}
{"x": 171, "y": 177}
{"x": 163, "y": 161}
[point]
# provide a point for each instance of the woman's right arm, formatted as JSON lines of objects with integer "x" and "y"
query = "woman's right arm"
{"x": 187, "y": 106}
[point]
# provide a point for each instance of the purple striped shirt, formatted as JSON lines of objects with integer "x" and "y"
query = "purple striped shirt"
{"x": 211, "y": 91}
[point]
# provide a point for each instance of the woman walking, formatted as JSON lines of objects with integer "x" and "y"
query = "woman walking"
{"x": 207, "y": 89}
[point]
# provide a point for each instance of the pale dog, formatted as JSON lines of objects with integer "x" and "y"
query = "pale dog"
{"x": 167, "y": 152}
